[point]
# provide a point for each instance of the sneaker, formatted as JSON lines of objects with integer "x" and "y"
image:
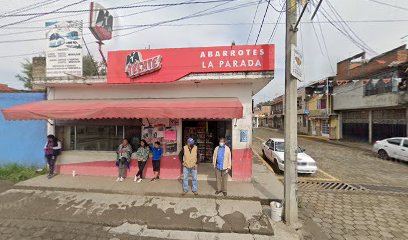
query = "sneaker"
{"x": 139, "y": 180}
{"x": 183, "y": 194}
{"x": 121, "y": 179}
{"x": 118, "y": 179}
{"x": 136, "y": 178}
{"x": 153, "y": 179}
{"x": 217, "y": 192}
{"x": 195, "y": 193}
{"x": 225, "y": 194}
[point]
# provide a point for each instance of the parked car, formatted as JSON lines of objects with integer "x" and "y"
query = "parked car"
{"x": 273, "y": 150}
{"x": 392, "y": 148}
{"x": 56, "y": 40}
{"x": 73, "y": 44}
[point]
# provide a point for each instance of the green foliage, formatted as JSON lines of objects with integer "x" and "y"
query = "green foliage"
{"x": 15, "y": 172}
{"x": 89, "y": 66}
{"x": 26, "y": 75}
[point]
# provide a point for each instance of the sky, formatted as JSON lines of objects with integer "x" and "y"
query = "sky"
{"x": 379, "y": 26}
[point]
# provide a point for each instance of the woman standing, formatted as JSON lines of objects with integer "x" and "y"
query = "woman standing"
{"x": 52, "y": 149}
{"x": 124, "y": 155}
{"x": 142, "y": 155}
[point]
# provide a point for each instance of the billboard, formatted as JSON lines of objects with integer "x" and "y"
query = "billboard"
{"x": 64, "y": 49}
{"x": 101, "y": 22}
{"x": 172, "y": 64}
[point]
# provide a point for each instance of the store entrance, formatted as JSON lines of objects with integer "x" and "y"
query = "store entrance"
{"x": 206, "y": 134}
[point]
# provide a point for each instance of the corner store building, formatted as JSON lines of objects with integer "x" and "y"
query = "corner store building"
{"x": 158, "y": 94}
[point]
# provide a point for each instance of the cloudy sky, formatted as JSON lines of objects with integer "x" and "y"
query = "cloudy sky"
{"x": 368, "y": 25}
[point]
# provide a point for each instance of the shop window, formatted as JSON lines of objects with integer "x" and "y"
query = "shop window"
{"x": 98, "y": 138}
{"x": 325, "y": 127}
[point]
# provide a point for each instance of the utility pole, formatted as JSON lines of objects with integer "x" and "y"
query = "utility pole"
{"x": 290, "y": 177}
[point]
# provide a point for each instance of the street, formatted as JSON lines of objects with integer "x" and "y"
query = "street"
{"x": 375, "y": 209}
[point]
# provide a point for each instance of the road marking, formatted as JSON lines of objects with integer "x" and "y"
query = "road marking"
{"x": 325, "y": 173}
{"x": 331, "y": 178}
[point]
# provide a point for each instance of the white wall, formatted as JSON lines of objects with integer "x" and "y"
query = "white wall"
{"x": 351, "y": 96}
{"x": 242, "y": 91}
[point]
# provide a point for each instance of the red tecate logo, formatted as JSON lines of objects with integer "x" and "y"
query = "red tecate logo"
{"x": 136, "y": 66}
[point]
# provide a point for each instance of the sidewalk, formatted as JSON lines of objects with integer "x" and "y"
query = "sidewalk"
{"x": 264, "y": 187}
{"x": 152, "y": 208}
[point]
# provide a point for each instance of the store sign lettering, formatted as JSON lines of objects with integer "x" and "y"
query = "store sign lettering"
{"x": 136, "y": 66}
{"x": 226, "y": 58}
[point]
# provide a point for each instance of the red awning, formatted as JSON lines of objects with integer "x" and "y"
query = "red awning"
{"x": 205, "y": 108}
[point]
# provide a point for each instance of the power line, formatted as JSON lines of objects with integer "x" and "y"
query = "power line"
{"x": 263, "y": 19}
{"x": 336, "y": 14}
{"x": 114, "y": 8}
{"x": 22, "y": 21}
{"x": 325, "y": 46}
{"x": 194, "y": 15}
{"x": 29, "y": 7}
{"x": 276, "y": 24}
{"x": 389, "y": 5}
{"x": 253, "y": 21}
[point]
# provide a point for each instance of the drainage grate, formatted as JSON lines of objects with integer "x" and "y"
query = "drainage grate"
{"x": 333, "y": 186}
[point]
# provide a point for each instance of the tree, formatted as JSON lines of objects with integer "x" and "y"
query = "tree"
{"x": 26, "y": 75}
{"x": 89, "y": 68}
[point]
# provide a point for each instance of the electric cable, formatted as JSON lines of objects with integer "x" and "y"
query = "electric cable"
{"x": 263, "y": 19}
{"x": 253, "y": 21}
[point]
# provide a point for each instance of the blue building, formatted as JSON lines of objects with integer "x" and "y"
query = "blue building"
{"x": 21, "y": 142}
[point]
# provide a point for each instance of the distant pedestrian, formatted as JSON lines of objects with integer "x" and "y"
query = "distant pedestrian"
{"x": 222, "y": 165}
{"x": 52, "y": 149}
{"x": 189, "y": 154}
{"x": 157, "y": 154}
{"x": 142, "y": 154}
{"x": 124, "y": 154}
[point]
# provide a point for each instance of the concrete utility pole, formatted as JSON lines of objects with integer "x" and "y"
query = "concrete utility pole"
{"x": 290, "y": 184}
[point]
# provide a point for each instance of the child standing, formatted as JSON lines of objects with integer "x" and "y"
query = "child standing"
{"x": 124, "y": 154}
{"x": 157, "y": 153}
{"x": 142, "y": 155}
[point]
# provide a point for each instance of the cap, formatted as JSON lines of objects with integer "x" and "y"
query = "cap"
{"x": 190, "y": 141}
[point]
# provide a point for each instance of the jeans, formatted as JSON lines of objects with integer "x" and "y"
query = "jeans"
{"x": 186, "y": 173}
{"x": 122, "y": 168}
{"x": 141, "y": 165}
{"x": 51, "y": 163}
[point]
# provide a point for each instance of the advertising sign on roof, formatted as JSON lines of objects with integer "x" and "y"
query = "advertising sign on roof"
{"x": 172, "y": 64}
{"x": 64, "y": 49}
{"x": 101, "y": 22}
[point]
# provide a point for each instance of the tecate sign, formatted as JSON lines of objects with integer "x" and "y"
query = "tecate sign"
{"x": 101, "y": 22}
{"x": 136, "y": 66}
{"x": 180, "y": 62}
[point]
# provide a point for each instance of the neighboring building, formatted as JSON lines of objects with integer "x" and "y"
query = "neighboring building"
{"x": 302, "y": 119}
{"x": 266, "y": 111}
{"x": 21, "y": 142}
{"x": 5, "y": 88}
{"x": 171, "y": 95}
{"x": 275, "y": 120}
{"x": 322, "y": 121}
{"x": 371, "y": 95}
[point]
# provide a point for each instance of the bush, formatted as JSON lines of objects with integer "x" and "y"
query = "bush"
{"x": 15, "y": 172}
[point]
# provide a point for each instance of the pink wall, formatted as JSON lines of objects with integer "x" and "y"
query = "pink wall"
{"x": 170, "y": 167}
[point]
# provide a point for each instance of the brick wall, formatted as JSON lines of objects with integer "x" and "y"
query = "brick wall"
{"x": 346, "y": 70}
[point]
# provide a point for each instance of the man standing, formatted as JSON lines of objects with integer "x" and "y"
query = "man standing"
{"x": 222, "y": 165}
{"x": 189, "y": 155}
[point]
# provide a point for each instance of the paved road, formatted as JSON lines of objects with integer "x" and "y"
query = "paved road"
{"x": 351, "y": 214}
{"x": 345, "y": 164}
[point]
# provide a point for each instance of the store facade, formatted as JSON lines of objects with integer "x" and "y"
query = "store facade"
{"x": 165, "y": 95}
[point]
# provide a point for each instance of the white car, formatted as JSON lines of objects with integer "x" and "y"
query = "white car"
{"x": 392, "y": 148}
{"x": 273, "y": 150}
